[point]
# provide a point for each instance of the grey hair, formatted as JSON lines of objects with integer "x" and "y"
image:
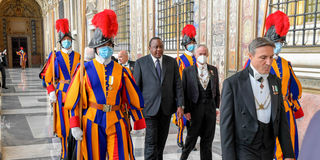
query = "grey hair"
{"x": 202, "y": 45}
{"x": 259, "y": 42}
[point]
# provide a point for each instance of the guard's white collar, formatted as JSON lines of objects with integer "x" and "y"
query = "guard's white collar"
{"x": 68, "y": 51}
{"x": 102, "y": 60}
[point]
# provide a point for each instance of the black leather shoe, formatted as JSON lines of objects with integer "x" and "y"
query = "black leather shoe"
{"x": 5, "y": 87}
{"x": 180, "y": 144}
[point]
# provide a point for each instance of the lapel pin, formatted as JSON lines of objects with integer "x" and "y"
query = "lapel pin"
{"x": 211, "y": 71}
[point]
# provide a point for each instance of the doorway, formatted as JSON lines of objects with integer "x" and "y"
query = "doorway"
{"x": 18, "y": 42}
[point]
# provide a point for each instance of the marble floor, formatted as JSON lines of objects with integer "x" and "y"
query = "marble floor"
{"x": 26, "y": 123}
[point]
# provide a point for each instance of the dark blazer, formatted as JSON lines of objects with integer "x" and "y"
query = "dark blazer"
{"x": 311, "y": 141}
{"x": 131, "y": 65}
{"x": 3, "y": 61}
{"x": 191, "y": 87}
{"x": 167, "y": 94}
{"x": 238, "y": 117}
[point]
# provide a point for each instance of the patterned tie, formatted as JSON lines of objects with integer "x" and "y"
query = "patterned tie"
{"x": 158, "y": 68}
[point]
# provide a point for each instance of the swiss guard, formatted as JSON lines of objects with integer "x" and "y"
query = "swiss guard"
{"x": 23, "y": 58}
{"x": 277, "y": 26}
{"x": 185, "y": 60}
{"x": 106, "y": 87}
{"x": 64, "y": 64}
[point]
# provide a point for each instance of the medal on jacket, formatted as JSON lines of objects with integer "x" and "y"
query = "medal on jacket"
{"x": 110, "y": 82}
{"x": 275, "y": 89}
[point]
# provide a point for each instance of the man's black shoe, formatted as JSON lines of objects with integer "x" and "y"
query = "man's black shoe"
{"x": 5, "y": 87}
{"x": 180, "y": 144}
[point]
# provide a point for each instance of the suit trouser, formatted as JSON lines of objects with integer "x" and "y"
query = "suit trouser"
{"x": 3, "y": 74}
{"x": 203, "y": 124}
{"x": 262, "y": 147}
{"x": 157, "y": 128}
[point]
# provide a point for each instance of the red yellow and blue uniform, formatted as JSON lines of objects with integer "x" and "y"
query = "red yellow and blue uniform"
{"x": 64, "y": 69}
{"x": 23, "y": 58}
{"x": 184, "y": 61}
{"x": 105, "y": 132}
{"x": 291, "y": 91}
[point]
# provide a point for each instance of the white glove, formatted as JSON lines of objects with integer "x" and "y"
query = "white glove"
{"x": 52, "y": 97}
{"x": 77, "y": 133}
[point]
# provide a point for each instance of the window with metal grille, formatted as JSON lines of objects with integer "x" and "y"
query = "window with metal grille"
{"x": 167, "y": 21}
{"x": 122, "y": 9}
{"x": 304, "y": 17}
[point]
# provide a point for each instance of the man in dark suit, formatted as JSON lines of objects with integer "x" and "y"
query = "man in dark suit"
{"x": 123, "y": 58}
{"x": 158, "y": 78}
{"x": 311, "y": 140}
{"x": 252, "y": 113}
{"x": 201, "y": 91}
{"x": 3, "y": 64}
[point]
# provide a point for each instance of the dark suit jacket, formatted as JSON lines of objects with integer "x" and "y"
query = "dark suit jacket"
{"x": 3, "y": 60}
{"x": 131, "y": 65}
{"x": 311, "y": 141}
{"x": 191, "y": 88}
{"x": 167, "y": 94}
{"x": 238, "y": 117}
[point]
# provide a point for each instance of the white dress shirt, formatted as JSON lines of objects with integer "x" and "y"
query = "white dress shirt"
{"x": 126, "y": 64}
{"x": 203, "y": 74}
{"x": 261, "y": 95}
{"x": 155, "y": 61}
{"x": 102, "y": 60}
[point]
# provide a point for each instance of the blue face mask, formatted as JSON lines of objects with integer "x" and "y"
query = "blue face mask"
{"x": 66, "y": 44}
{"x": 278, "y": 47}
{"x": 105, "y": 52}
{"x": 191, "y": 47}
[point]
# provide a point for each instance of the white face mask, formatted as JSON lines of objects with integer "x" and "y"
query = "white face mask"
{"x": 202, "y": 59}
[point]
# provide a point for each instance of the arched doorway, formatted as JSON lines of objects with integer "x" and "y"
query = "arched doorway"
{"x": 21, "y": 26}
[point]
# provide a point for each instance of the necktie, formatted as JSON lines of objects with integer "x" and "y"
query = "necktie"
{"x": 158, "y": 68}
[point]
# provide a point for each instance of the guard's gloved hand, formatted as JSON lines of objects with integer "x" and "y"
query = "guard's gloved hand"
{"x": 52, "y": 97}
{"x": 77, "y": 133}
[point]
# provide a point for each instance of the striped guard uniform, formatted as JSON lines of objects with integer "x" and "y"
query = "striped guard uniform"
{"x": 105, "y": 133}
{"x": 64, "y": 69}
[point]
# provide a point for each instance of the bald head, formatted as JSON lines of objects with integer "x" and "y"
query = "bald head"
{"x": 123, "y": 57}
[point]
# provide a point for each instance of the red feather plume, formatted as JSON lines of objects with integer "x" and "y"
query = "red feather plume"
{"x": 21, "y": 48}
{"x": 189, "y": 30}
{"x": 107, "y": 22}
{"x": 281, "y": 22}
{"x": 62, "y": 25}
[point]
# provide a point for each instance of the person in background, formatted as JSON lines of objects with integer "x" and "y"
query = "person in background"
{"x": 88, "y": 54}
{"x": 202, "y": 96}
{"x": 123, "y": 59}
{"x": 65, "y": 63}
{"x": 3, "y": 64}
{"x": 185, "y": 60}
{"x": 23, "y": 58}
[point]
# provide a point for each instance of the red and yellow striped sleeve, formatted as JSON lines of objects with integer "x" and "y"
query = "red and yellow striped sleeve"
{"x": 71, "y": 101}
{"x": 133, "y": 97}
{"x": 49, "y": 74}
